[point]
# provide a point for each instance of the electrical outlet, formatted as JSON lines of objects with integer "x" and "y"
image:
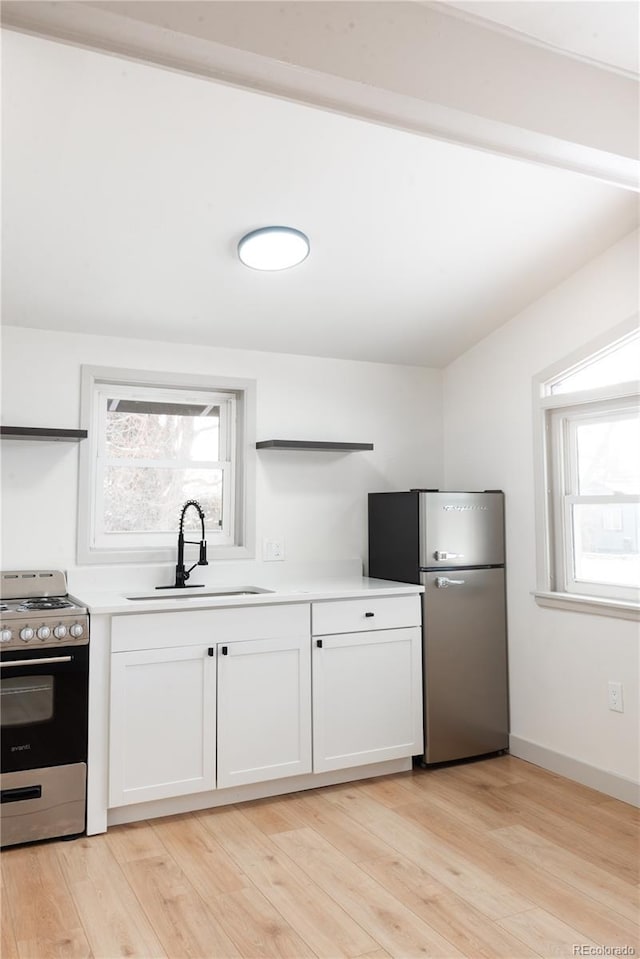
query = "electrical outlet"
{"x": 273, "y": 550}
{"x": 615, "y": 697}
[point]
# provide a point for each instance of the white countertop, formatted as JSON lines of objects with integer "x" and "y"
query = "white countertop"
{"x": 112, "y": 601}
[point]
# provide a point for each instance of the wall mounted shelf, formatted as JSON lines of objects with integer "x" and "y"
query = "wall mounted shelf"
{"x": 312, "y": 445}
{"x": 41, "y": 433}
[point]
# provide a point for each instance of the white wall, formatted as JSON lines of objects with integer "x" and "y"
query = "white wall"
{"x": 560, "y": 662}
{"x": 316, "y": 502}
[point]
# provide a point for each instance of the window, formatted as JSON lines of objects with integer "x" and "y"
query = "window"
{"x": 155, "y": 442}
{"x": 589, "y": 489}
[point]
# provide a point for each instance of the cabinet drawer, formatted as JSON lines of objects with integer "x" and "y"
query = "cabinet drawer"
{"x": 355, "y": 615}
{"x": 178, "y": 628}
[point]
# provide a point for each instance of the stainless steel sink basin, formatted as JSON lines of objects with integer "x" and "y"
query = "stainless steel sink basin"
{"x": 190, "y": 593}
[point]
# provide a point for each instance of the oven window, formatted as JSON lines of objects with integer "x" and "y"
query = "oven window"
{"x": 27, "y": 700}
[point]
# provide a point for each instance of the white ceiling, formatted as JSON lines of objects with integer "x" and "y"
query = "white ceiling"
{"x": 127, "y": 186}
{"x": 607, "y": 33}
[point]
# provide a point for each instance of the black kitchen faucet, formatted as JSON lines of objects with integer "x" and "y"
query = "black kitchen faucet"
{"x": 182, "y": 574}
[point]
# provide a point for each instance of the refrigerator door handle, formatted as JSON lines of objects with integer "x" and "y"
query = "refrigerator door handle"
{"x": 442, "y": 582}
{"x": 442, "y": 555}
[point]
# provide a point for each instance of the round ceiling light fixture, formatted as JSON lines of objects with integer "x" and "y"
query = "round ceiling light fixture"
{"x": 273, "y": 248}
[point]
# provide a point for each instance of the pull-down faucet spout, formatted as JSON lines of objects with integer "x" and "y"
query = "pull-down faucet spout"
{"x": 182, "y": 574}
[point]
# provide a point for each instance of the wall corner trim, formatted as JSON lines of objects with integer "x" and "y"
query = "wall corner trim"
{"x": 604, "y": 781}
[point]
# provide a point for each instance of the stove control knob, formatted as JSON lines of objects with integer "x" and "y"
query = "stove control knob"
{"x": 76, "y": 630}
{"x": 5, "y": 636}
{"x": 44, "y": 632}
{"x": 60, "y": 632}
{"x": 26, "y": 634}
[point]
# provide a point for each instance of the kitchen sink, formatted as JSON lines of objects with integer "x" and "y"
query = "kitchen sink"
{"x": 195, "y": 593}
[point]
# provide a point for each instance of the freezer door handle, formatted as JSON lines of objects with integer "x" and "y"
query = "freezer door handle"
{"x": 442, "y": 555}
{"x": 443, "y": 582}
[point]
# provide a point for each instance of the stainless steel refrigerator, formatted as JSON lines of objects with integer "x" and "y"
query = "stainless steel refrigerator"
{"x": 453, "y": 544}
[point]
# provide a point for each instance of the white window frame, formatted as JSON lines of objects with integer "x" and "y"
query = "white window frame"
{"x": 556, "y": 417}
{"x": 236, "y": 539}
{"x": 226, "y": 463}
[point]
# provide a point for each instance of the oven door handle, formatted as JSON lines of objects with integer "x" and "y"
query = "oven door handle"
{"x": 37, "y": 662}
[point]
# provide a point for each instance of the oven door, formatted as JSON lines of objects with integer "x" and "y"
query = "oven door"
{"x": 44, "y": 707}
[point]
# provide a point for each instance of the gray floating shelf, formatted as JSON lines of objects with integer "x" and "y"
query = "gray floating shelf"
{"x": 312, "y": 445}
{"x": 41, "y": 433}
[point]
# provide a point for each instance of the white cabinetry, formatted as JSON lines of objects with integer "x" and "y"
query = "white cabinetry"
{"x": 232, "y": 698}
{"x": 367, "y": 681}
{"x": 251, "y": 667}
{"x": 163, "y": 724}
{"x": 264, "y": 710}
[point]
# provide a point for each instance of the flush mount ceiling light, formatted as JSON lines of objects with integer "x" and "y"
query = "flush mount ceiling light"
{"x": 273, "y": 248}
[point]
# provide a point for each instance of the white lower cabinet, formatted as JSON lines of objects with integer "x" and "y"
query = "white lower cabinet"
{"x": 163, "y": 724}
{"x": 264, "y": 710}
{"x": 177, "y": 711}
{"x": 367, "y": 682}
{"x": 243, "y": 703}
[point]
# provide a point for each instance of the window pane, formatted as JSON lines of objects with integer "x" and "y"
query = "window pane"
{"x": 609, "y": 456}
{"x": 167, "y": 431}
{"x": 606, "y": 543}
{"x": 618, "y": 366}
{"x": 149, "y": 499}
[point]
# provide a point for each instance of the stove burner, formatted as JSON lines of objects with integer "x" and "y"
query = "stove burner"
{"x": 46, "y": 602}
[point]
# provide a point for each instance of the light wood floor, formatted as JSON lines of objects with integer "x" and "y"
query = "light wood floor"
{"x": 494, "y": 858}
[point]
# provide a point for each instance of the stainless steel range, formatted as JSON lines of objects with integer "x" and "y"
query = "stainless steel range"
{"x": 44, "y": 678}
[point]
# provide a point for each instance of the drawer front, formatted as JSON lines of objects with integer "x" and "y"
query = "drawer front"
{"x": 177, "y": 628}
{"x": 355, "y": 615}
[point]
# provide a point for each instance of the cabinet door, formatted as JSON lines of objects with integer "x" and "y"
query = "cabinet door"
{"x": 367, "y": 698}
{"x": 264, "y": 710}
{"x": 163, "y": 719}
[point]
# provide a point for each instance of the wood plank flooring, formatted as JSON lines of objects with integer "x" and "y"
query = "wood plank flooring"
{"x": 495, "y": 858}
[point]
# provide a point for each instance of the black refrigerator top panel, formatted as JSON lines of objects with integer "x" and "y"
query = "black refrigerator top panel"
{"x": 394, "y": 544}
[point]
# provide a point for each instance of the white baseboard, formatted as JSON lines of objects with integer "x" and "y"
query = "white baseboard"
{"x": 223, "y": 797}
{"x": 605, "y": 782}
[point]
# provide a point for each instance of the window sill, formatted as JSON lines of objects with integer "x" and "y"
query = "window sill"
{"x": 141, "y": 557}
{"x": 598, "y": 606}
